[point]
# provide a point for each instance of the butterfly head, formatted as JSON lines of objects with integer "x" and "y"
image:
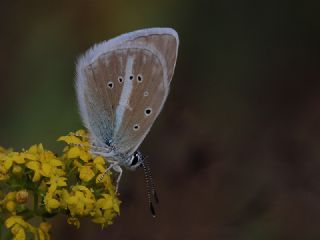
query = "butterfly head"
{"x": 134, "y": 161}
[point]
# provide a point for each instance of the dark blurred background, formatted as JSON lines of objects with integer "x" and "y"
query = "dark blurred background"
{"x": 236, "y": 150}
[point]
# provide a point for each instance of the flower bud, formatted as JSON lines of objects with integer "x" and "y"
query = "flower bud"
{"x": 22, "y": 196}
{"x": 16, "y": 169}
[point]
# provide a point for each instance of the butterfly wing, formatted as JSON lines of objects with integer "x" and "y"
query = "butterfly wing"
{"x": 122, "y": 85}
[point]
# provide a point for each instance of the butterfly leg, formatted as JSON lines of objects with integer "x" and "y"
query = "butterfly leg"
{"x": 106, "y": 171}
{"x": 117, "y": 169}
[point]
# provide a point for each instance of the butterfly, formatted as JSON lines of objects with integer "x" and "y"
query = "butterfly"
{"x": 121, "y": 86}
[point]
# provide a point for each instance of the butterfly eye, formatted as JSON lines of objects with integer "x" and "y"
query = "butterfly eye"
{"x": 139, "y": 78}
{"x": 131, "y": 77}
{"x": 134, "y": 160}
{"x": 148, "y": 111}
{"x": 120, "y": 79}
{"x": 110, "y": 85}
{"x": 136, "y": 127}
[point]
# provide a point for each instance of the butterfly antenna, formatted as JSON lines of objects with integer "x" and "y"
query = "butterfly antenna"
{"x": 148, "y": 186}
{"x": 152, "y": 185}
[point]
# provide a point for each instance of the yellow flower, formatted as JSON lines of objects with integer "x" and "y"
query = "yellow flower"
{"x": 65, "y": 184}
{"x": 17, "y": 169}
{"x": 11, "y": 206}
{"x": 12, "y": 157}
{"x": 106, "y": 209}
{"x": 99, "y": 164}
{"x": 78, "y": 146}
{"x": 73, "y": 221}
{"x": 105, "y": 179}
{"x": 43, "y": 163}
{"x": 86, "y": 173}
{"x": 71, "y": 139}
{"x": 80, "y": 201}
{"x": 43, "y": 231}
{"x": 18, "y": 232}
{"x": 82, "y": 133}
{"x": 4, "y": 176}
{"x": 56, "y": 182}
{"x": 35, "y": 166}
{"x": 9, "y": 202}
{"x": 78, "y": 152}
{"x": 11, "y": 196}
{"x": 15, "y": 220}
{"x": 108, "y": 202}
{"x": 50, "y": 201}
{"x": 18, "y": 227}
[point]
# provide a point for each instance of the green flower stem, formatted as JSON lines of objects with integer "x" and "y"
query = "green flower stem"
{"x": 8, "y": 236}
{"x": 35, "y": 202}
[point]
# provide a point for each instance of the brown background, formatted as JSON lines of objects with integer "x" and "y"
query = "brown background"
{"x": 236, "y": 150}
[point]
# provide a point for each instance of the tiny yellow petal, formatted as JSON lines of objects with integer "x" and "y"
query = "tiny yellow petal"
{"x": 36, "y": 176}
{"x": 86, "y": 173}
{"x": 33, "y": 165}
{"x": 29, "y": 156}
{"x": 43, "y": 231}
{"x": 11, "y": 206}
{"x": 55, "y": 162}
{"x": 116, "y": 207}
{"x": 72, "y": 200}
{"x": 15, "y": 219}
{"x": 85, "y": 156}
{"x": 46, "y": 169}
{"x": 33, "y": 149}
{"x": 81, "y": 133}
{"x": 74, "y": 152}
{"x": 76, "y": 163}
{"x": 16, "y": 169}
{"x": 18, "y": 232}
{"x": 41, "y": 234}
{"x": 40, "y": 148}
{"x": 19, "y": 159}
{"x": 45, "y": 226}
{"x": 8, "y": 163}
{"x": 11, "y": 196}
{"x": 99, "y": 160}
{"x": 70, "y": 139}
{"x": 53, "y": 203}
{"x": 4, "y": 176}
{"x": 73, "y": 221}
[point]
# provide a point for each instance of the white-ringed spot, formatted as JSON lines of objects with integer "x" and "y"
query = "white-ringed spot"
{"x": 139, "y": 78}
{"x": 120, "y": 79}
{"x": 110, "y": 85}
{"x": 148, "y": 111}
{"x": 146, "y": 94}
{"x": 136, "y": 127}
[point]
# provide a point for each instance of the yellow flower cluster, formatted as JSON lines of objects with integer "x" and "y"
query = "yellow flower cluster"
{"x": 72, "y": 184}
